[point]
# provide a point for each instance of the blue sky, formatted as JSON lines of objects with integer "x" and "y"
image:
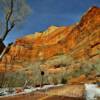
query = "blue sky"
{"x": 51, "y": 12}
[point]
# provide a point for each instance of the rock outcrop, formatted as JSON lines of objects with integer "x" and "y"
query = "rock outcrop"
{"x": 79, "y": 42}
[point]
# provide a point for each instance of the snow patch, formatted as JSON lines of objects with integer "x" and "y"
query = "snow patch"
{"x": 92, "y": 91}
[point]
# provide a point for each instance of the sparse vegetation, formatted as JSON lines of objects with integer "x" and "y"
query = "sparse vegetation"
{"x": 14, "y": 79}
{"x": 60, "y": 60}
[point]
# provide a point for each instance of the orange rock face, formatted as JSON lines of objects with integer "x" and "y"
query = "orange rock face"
{"x": 79, "y": 80}
{"x": 81, "y": 41}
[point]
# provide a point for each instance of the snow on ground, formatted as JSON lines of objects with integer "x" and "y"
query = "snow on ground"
{"x": 29, "y": 90}
{"x": 92, "y": 91}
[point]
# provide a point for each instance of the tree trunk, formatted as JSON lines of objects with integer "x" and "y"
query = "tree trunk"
{"x": 2, "y": 46}
{"x": 4, "y": 35}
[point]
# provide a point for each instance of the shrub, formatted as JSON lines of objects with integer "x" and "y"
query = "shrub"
{"x": 60, "y": 60}
{"x": 63, "y": 81}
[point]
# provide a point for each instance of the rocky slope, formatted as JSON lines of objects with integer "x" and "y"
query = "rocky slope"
{"x": 58, "y": 49}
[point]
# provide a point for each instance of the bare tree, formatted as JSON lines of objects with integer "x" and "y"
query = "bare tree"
{"x": 12, "y": 12}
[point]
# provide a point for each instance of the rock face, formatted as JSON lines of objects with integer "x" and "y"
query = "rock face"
{"x": 79, "y": 42}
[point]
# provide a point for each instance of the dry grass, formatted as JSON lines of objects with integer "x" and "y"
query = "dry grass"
{"x": 68, "y": 90}
{"x": 63, "y": 98}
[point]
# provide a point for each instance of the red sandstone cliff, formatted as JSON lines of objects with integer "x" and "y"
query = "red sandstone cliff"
{"x": 81, "y": 41}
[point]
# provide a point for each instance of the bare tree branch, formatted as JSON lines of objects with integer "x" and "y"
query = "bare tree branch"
{"x": 7, "y": 19}
{"x": 11, "y": 27}
{"x": 15, "y": 11}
